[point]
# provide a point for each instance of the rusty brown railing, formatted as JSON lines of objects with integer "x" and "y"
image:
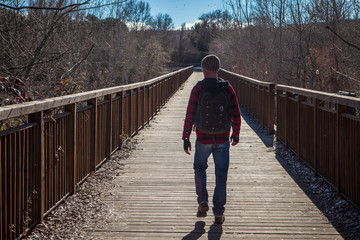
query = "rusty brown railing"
{"x": 324, "y": 131}
{"x": 255, "y": 96}
{"x": 42, "y": 161}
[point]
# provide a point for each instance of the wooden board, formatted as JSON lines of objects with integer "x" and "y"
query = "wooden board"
{"x": 155, "y": 198}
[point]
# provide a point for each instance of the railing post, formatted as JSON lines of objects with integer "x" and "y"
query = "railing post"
{"x": 155, "y": 98}
{"x": 94, "y": 135}
{"x": 316, "y": 104}
{"x": 278, "y": 115}
{"x": 138, "y": 108}
{"x": 143, "y": 117}
{"x": 271, "y": 100}
{"x": 168, "y": 87}
{"x": 161, "y": 86}
{"x": 176, "y": 82}
{"x": 173, "y": 84}
{"x": 262, "y": 105}
{"x": 166, "y": 90}
{"x": 158, "y": 96}
{"x": 151, "y": 101}
{"x": 161, "y": 93}
{"x": 170, "y": 81}
{"x": 39, "y": 149}
{"x": 339, "y": 110}
{"x": 166, "y": 84}
{"x": 71, "y": 146}
{"x": 131, "y": 102}
{"x": 287, "y": 94}
{"x": 251, "y": 92}
{"x": 121, "y": 118}
{"x": 109, "y": 128}
{"x": 126, "y": 113}
{"x": 300, "y": 99}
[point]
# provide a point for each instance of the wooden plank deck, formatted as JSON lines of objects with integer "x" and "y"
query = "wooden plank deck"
{"x": 155, "y": 195}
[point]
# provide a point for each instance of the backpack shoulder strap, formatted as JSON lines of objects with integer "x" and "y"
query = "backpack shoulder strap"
{"x": 214, "y": 84}
{"x": 223, "y": 83}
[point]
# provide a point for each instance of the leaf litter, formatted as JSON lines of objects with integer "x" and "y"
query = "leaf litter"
{"x": 82, "y": 211}
{"x": 342, "y": 214}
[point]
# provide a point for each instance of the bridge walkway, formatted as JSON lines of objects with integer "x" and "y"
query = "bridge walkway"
{"x": 155, "y": 197}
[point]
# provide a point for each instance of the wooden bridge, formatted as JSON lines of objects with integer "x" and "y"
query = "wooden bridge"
{"x": 43, "y": 160}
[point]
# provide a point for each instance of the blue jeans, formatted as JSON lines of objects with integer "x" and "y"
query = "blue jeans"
{"x": 221, "y": 160}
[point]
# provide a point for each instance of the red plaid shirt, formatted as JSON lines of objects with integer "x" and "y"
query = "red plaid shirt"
{"x": 207, "y": 138}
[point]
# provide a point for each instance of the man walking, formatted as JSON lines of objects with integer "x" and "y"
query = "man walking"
{"x": 213, "y": 108}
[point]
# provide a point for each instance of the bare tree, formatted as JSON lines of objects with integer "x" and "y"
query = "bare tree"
{"x": 162, "y": 22}
{"x": 48, "y": 44}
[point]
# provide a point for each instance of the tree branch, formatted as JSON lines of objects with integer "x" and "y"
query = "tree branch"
{"x": 71, "y": 70}
{"x": 62, "y": 8}
{"x": 35, "y": 63}
{"x": 100, "y": 6}
{"x": 344, "y": 75}
{"x": 342, "y": 39}
{"x": 45, "y": 8}
{"x": 39, "y": 48}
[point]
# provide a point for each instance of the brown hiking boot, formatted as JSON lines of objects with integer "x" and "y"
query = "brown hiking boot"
{"x": 219, "y": 219}
{"x": 202, "y": 209}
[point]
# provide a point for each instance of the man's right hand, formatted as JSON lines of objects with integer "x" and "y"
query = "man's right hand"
{"x": 187, "y": 146}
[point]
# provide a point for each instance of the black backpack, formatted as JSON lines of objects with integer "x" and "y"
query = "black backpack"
{"x": 213, "y": 109}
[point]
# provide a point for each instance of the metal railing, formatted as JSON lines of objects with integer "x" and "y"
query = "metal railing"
{"x": 42, "y": 161}
{"x": 322, "y": 129}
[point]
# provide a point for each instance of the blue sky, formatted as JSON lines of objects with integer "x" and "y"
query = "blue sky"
{"x": 184, "y": 11}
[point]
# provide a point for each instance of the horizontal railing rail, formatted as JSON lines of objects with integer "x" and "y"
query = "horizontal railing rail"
{"x": 42, "y": 161}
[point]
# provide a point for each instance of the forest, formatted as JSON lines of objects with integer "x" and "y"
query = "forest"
{"x": 59, "y": 47}
{"x": 313, "y": 44}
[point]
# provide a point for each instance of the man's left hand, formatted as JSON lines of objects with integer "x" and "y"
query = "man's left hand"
{"x": 234, "y": 140}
